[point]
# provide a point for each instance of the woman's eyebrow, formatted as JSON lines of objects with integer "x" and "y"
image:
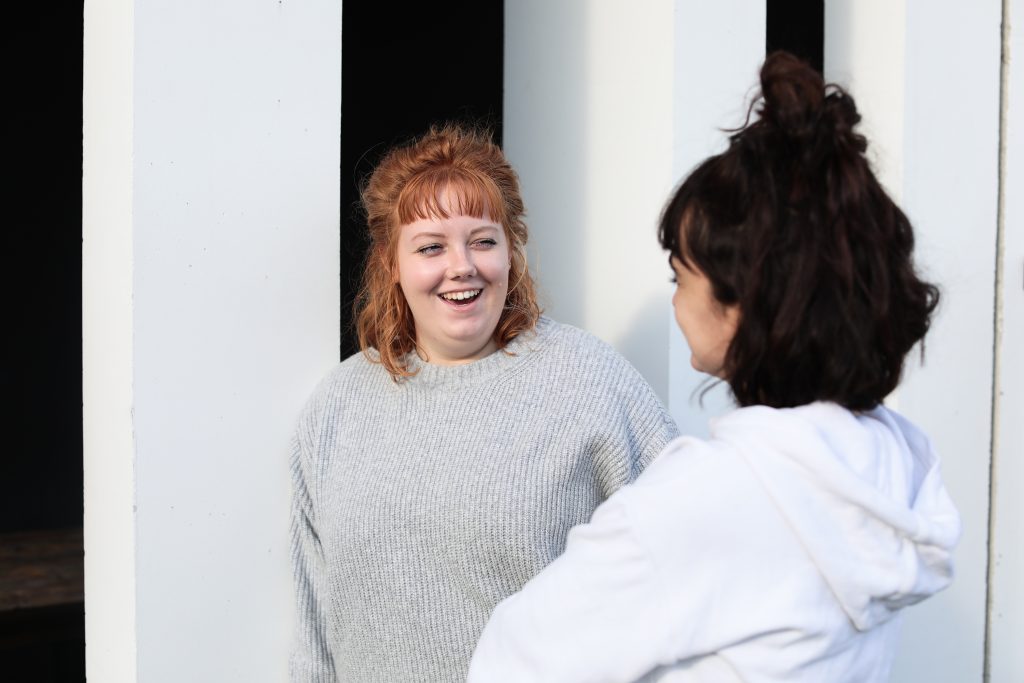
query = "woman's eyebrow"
{"x": 431, "y": 235}
{"x": 483, "y": 228}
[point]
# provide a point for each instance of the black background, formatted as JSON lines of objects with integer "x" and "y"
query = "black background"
{"x": 42, "y": 468}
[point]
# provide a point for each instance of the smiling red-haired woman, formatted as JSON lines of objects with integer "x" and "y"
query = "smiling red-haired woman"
{"x": 438, "y": 470}
{"x": 450, "y": 171}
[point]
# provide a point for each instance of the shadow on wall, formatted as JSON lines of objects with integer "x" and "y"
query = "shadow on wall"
{"x": 649, "y": 321}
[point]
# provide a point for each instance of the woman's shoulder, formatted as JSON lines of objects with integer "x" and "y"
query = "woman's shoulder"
{"x": 565, "y": 336}
{"x": 581, "y": 350}
{"x": 601, "y": 382}
{"x": 354, "y": 377}
{"x": 692, "y": 478}
{"x": 684, "y": 461}
{"x": 356, "y": 370}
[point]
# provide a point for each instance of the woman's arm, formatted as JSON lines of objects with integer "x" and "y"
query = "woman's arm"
{"x": 595, "y": 614}
{"x": 634, "y": 429}
{"x": 310, "y": 660}
{"x": 664, "y": 573}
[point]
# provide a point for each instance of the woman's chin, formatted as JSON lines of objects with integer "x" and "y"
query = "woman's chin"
{"x": 699, "y": 366}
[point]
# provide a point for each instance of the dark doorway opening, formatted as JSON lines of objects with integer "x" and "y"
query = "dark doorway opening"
{"x": 42, "y": 617}
{"x": 798, "y": 26}
{"x": 403, "y": 68}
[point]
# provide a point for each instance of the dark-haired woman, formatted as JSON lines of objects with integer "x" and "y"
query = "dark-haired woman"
{"x": 784, "y": 547}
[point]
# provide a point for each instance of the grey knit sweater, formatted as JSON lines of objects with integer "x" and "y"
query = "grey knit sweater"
{"x": 419, "y": 505}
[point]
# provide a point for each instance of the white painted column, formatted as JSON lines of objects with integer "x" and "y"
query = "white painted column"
{"x": 1006, "y": 609}
{"x": 211, "y": 309}
{"x": 951, "y": 140}
{"x": 931, "y": 113}
{"x": 107, "y": 332}
{"x": 600, "y": 121}
{"x": 587, "y": 124}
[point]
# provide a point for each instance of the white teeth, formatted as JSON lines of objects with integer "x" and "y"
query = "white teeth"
{"x": 460, "y": 296}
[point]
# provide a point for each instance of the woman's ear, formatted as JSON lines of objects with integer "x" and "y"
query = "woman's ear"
{"x": 732, "y": 316}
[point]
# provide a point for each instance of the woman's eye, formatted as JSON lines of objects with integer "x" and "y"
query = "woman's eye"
{"x": 429, "y": 249}
{"x": 674, "y": 280}
{"x": 487, "y": 242}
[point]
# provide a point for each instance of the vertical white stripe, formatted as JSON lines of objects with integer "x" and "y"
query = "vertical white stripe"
{"x": 107, "y": 326}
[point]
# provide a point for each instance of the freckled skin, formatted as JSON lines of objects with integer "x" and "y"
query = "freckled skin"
{"x": 442, "y": 255}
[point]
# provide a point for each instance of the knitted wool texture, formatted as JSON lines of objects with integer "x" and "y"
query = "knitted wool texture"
{"x": 419, "y": 505}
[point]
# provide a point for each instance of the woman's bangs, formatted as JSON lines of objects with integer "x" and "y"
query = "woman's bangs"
{"x": 442, "y": 194}
{"x": 677, "y": 227}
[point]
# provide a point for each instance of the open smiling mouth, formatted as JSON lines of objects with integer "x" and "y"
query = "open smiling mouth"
{"x": 460, "y": 299}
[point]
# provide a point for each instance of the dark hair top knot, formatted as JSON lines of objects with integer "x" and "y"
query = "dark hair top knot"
{"x": 796, "y": 103}
{"x": 791, "y": 225}
{"x": 792, "y": 94}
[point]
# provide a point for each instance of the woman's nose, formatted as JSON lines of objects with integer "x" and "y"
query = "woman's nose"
{"x": 460, "y": 264}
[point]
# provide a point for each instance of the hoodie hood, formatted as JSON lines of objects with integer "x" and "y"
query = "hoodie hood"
{"x": 863, "y": 493}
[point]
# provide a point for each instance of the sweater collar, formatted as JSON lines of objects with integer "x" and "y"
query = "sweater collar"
{"x": 501, "y": 362}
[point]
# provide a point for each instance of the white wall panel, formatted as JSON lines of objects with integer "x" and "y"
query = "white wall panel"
{"x": 606, "y": 105}
{"x": 951, "y": 143}
{"x": 230, "y": 316}
{"x": 588, "y": 125}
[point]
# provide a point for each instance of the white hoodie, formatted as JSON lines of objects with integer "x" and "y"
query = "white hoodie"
{"x": 779, "y": 550}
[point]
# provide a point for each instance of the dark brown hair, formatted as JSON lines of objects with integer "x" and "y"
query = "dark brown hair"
{"x": 407, "y": 185}
{"x": 791, "y": 225}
